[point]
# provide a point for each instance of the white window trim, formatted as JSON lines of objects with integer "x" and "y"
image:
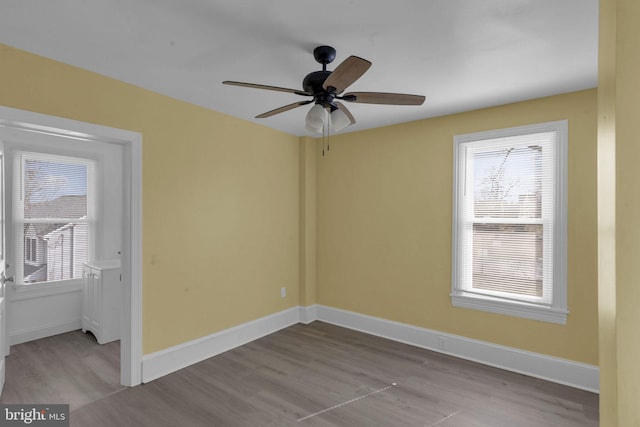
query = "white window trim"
{"x": 556, "y": 311}
{"x": 18, "y": 220}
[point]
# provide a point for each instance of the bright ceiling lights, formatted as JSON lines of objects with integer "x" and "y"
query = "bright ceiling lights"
{"x": 317, "y": 117}
{"x": 339, "y": 120}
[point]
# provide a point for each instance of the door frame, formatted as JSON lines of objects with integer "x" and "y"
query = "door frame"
{"x": 131, "y": 337}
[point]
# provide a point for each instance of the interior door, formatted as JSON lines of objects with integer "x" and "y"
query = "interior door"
{"x": 3, "y": 278}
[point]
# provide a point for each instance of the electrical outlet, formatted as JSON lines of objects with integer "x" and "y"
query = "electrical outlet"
{"x": 283, "y": 292}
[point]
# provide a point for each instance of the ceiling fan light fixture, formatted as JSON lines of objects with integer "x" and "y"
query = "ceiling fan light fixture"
{"x": 316, "y": 117}
{"x": 314, "y": 130}
{"x": 339, "y": 120}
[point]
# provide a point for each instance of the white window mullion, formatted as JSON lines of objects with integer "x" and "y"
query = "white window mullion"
{"x": 513, "y": 221}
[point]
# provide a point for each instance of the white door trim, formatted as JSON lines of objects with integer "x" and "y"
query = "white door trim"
{"x": 131, "y": 338}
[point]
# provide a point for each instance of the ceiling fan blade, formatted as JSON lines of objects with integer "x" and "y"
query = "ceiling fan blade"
{"x": 383, "y": 98}
{"x": 346, "y": 111}
{"x": 350, "y": 70}
{"x": 283, "y": 109}
{"x": 266, "y": 87}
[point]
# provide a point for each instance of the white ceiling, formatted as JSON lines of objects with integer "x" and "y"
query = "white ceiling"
{"x": 460, "y": 54}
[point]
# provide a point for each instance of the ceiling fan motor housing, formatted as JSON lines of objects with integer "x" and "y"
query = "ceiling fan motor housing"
{"x": 313, "y": 82}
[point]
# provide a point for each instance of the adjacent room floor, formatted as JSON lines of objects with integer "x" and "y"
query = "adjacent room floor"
{"x": 67, "y": 368}
{"x": 305, "y": 375}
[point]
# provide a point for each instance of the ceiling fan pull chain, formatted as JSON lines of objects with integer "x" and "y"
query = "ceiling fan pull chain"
{"x": 329, "y": 124}
{"x": 324, "y": 138}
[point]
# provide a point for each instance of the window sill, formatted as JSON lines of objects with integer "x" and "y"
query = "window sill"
{"x": 510, "y": 308}
{"x": 40, "y": 290}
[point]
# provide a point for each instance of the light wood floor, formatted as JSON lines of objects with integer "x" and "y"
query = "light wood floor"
{"x": 320, "y": 375}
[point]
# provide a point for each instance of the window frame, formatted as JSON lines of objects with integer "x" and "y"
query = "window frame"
{"x": 18, "y": 220}
{"x": 554, "y": 309}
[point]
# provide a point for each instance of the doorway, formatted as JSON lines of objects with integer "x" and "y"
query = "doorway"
{"x": 14, "y": 123}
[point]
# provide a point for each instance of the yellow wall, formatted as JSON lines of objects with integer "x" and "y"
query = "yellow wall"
{"x": 384, "y": 201}
{"x": 233, "y": 211}
{"x": 619, "y": 210}
{"x": 606, "y": 214}
{"x": 220, "y": 198}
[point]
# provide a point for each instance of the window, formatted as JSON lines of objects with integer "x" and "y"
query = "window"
{"x": 52, "y": 211}
{"x": 509, "y": 221}
{"x": 30, "y": 249}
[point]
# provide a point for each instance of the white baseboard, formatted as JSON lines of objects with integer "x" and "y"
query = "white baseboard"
{"x": 158, "y": 364}
{"x": 562, "y": 371}
{"x": 19, "y": 337}
{"x": 2, "y": 374}
{"x": 307, "y": 314}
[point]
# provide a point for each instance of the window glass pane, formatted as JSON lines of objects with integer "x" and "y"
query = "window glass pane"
{"x": 508, "y": 182}
{"x": 508, "y": 258}
{"x": 54, "y": 189}
{"x": 57, "y": 251}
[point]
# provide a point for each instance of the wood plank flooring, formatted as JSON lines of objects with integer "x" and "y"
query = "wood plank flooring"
{"x": 324, "y": 375}
{"x": 68, "y": 368}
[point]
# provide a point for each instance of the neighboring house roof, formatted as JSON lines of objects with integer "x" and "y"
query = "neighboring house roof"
{"x": 61, "y": 207}
{"x": 41, "y": 230}
{"x": 59, "y": 228}
{"x": 69, "y": 207}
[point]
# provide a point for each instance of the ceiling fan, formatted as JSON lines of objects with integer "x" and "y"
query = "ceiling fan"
{"x": 326, "y": 88}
